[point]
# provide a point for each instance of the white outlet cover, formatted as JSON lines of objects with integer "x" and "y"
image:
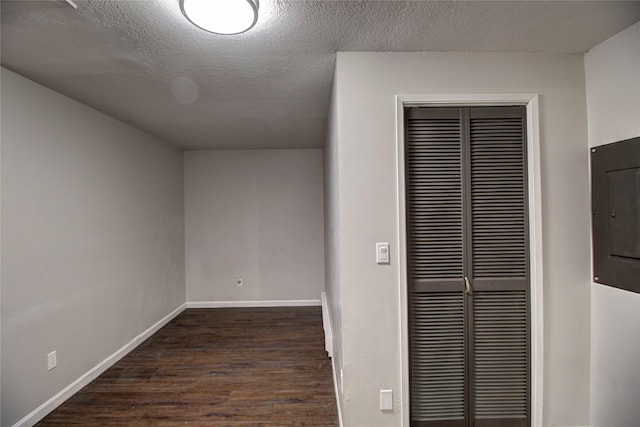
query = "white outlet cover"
{"x": 386, "y": 400}
{"x": 52, "y": 361}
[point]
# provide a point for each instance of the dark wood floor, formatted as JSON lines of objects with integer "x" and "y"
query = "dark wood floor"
{"x": 216, "y": 367}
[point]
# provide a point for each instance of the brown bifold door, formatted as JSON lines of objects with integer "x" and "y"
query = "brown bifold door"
{"x": 468, "y": 269}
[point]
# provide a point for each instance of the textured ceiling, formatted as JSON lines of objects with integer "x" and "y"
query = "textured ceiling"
{"x": 144, "y": 63}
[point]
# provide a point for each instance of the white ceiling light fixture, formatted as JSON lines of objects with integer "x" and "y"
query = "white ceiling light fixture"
{"x": 221, "y": 16}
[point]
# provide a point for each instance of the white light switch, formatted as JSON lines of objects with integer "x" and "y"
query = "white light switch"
{"x": 382, "y": 253}
{"x": 386, "y": 400}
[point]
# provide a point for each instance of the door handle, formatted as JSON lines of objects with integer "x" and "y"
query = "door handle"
{"x": 467, "y": 286}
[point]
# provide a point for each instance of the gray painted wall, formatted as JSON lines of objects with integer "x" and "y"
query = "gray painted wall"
{"x": 92, "y": 239}
{"x": 257, "y": 214}
{"x": 613, "y": 104}
{"x": 333, "y": 268}
{"x": 368, "y": 213}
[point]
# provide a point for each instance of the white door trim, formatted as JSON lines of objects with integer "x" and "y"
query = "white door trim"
{"x": 535, "y": 232}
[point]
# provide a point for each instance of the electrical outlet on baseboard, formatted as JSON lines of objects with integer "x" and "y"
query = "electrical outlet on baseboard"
{"x": 239, "y": 281}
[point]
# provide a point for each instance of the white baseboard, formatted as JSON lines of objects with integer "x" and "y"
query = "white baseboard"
{"x": 326, "y": 325}
{"x": 257, "y": 303}
{"x": 335, "y": 389}
{"x": 41, "y": 411}
{"x": 328, "y": 344}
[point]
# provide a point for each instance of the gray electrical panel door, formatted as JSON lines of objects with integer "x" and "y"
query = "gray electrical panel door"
{"x": 615, "y": 198}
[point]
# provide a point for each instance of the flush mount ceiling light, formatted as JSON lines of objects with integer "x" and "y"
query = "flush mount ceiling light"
{"x": 221, "y": 16}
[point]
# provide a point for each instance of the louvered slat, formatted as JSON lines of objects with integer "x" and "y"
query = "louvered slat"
{"x": 500, "y": 364}
{"x": 498, "y": 198}
{"x": 437, "y": 357}
{"x": 434, "y": 198}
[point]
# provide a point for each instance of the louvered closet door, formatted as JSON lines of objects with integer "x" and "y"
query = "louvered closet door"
{"x": 466, "y": 218}
{"x": 499, "y": 271}
{"x": 436, "y": 267}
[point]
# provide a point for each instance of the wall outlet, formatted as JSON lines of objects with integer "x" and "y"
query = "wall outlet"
{"x": 52, "y": 360}
{"x": 238, "y": 281}
{"x": 386, "y": 400}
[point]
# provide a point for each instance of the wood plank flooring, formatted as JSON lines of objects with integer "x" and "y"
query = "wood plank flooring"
{"x": 235, "y": 367}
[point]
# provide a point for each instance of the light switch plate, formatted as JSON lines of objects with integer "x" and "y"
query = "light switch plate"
{"x": 382, "y": 253}
{"x": 386, "y": 400}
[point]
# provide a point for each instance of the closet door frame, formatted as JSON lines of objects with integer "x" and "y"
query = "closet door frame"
{"x": 530, "y": 101}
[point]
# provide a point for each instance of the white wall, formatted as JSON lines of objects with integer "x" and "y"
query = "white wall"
{"x": 92, "y": 239}
{"x": 255, "y": 214}
{"x": 612, "y": 72}
{"x": 333, "y": 268}
{"x": 368, "y": 213}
